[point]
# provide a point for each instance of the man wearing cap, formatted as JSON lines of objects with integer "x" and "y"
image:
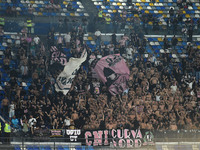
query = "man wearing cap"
{"x": 108, "y": 23}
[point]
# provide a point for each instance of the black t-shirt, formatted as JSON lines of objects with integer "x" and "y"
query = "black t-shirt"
{"x": 136, "y": 124}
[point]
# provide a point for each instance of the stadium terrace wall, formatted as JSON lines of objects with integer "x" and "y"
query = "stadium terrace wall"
{"x": 120, "y": 138}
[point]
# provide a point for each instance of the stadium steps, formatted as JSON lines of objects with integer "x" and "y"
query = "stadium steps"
{"x": 89, "y": 8}
{"x": 156, "y": 46}
{"x": 90, "y": 41}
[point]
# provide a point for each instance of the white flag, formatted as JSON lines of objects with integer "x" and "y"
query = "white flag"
{"x": 65, "y": 78}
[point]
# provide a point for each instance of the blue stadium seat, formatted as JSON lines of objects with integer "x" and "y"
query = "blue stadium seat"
{"x": 184, "y": 43}
{"x": 150, "y": 39}
{"x": 1, "y": 61}
{"x": 67, "y": 14}
{"x": 60, "y": 148}
{"x": 47, "y": 148}
{"x": 161, "y": 43}
{"x": 69, "y": 55}
{"x": 1, "y": 69}
{"x": 46, "y": 2}
{"x": 76, "y": 6}
{"x": 90, "y": 148}
{"x": 26, "y": 88}
{"x": 158, "y": 55}
{"x": 154, "y": 47}
{"x": 149, "y": 51}
{"x": 162, "y": 8}
{"x": 78, "y": 147}
{"x": 37, "y": 9}
{"x": 36, "y": 148}
{"x": 179, "y": 51}
{"x": 66, "y": 148}
{"x": 106, "y": 42}
{"x": 169, "y": 4}
{"x": 105, "y": 11}
{"x": 62, "y": 6}
{"x": 81, "y": 14}
{"x": 40, "y": 5}
{"x": 195, "y": 7}
{"x": 53, "y": 14}
{"x": 2, "y": 48}
{"x": 45, "y": 14}
{"x": 98, "y": 6}
{"x": 107, "y": 7}
{"x": 29, "y": 147}
{"x": 158, "y": 8}
{"x": 20, "y": 5}
{"x": 159, "y": 47}
{"x": 116, "y": 7}
{"x": 197, "y": 43}
{"x": 155, "y": 39}
{"x": 17, "y": 147}
{"x": 157, "y": 51}
{"x": 67, "y": 50}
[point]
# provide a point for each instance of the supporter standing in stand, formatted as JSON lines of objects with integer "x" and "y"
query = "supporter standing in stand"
{"x": 67, "y": 39}
{"x": 174, "y": 42}
{"x": 7, "y": 131}
{"x": 98, "y": 38}
{"x": 166, "y": 43}
{"x": 2, "y": 22}
{"x": 100, "y": 15}
{"x": 36, "y": 40}
{"x": 29, "y": 25}
{"x": 5, "y": 106}
{"x": 60, "y": 42}
{"x": 108, "y": 26}
{"x": 190, "y": 33}
{"x": 84, "y": 25}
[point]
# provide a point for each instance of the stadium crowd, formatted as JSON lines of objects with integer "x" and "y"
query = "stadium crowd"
{"x": 133, "y": 17}
{"x": 161, "y": 95}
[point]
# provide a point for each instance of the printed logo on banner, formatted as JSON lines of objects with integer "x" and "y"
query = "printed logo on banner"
{"x": 58, "y": 56}
{"x": 56, "y": 133}
{"x": 113, "y": 72}
{"x": 148, "y": 138}
{"x": 73, "y": 134}
{"x": 118, "y": 138}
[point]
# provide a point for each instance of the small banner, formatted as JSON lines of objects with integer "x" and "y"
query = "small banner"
{"x": 122, "y": 138}
{"x": 56, "y": 133}
{"x": 73, "y": 135}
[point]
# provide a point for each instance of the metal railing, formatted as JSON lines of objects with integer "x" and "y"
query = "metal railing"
{"x": 55, "y": 144}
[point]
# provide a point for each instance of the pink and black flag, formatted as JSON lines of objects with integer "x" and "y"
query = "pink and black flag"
{"x": 113, "y": 72}
{"x": 58, "y": 56}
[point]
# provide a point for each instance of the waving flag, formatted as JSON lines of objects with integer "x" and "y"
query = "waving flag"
{"x": 113, "y": 72}
{"x": 58, "y": 56}
{"x": 65, "y": 79}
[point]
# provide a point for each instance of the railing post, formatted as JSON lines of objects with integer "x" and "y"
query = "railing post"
{"x": 54, "y": 144}
{"x": 23, "y": 143}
